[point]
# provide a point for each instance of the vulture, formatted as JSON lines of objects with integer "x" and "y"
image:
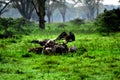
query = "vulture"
{"x": 49, "y": 46}
{"x": 37, "y": 50}
{"x": 42, "y": 43}
{"x": 72, "y": 49}
{"x": 70, "y": 37}
{"x": 65, "y": 36}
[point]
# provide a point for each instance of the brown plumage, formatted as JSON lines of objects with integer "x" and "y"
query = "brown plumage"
{"x": 73, "y": 48}
{"x": 42, "y": 43}
{"x": 63, "y": 35}
{"x": 70, "y": 37}
{"x": 61, "y": 48}
{"x": 37, "y": 50}
{"x": 50, "y": 43}
{"x": 51, "y": 46}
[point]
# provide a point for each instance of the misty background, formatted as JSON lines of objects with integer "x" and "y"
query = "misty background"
{"x": 72, "y": 12}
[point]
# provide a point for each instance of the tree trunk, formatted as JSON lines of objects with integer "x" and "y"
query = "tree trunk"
{"x": 97, "y": 7}
{"x": 63, "y": 16}
{"x": 97, "y": 10}
{"x": 52, "y": 18}
{"x": 49, "y": 21}
{"x": 41, "y": 23}
{"x": 41, "y": 9}
{"x": 49, "y": 18}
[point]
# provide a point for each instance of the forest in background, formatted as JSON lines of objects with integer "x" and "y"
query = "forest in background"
{"x": 79, "y": 12}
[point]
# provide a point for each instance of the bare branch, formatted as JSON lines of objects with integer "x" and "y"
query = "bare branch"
{"x": 35, "y": 7}
{"x": 6, "y": 4}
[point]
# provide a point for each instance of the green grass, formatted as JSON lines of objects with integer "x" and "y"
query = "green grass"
{"x": 100, "y": 62}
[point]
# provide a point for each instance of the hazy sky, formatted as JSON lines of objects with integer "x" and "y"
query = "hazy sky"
{"x": 114, "y": 2}
{"x": 109, "y": 2}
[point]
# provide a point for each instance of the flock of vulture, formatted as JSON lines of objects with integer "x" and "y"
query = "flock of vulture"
{"x": 50, "y": 47}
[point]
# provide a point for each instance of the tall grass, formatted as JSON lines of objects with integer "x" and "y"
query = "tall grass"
{"x": 99, "y": 62}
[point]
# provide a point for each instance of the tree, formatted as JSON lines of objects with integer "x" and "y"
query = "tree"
{"x": 92, "y": 7}
{"x": 25, "y": 7}
{"x": 50, "y": 7}
{"x": 3, "y": 5}
{"x": 39, "y": 6}
{"x": 97, "y": 6}
{"x": 75, "y": 2}
{"x": 109, "y": 21}
{"x": 62, "y": 7}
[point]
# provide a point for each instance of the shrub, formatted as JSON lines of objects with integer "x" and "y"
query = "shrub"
{"x": 5, "y": 23}
{"x": 109, "y": 21}
{"x": 77, "y": 21}
{"x": 61, "y": 25}
{"x": 10, "y": 26}
{"x": 0, "y": 57}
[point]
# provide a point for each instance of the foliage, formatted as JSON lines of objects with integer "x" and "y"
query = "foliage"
{"x": 10, "y": 26}
{"x": 77, "y": 21}
{"x": 61, "y": 25}
{"x": 109, "y": 21}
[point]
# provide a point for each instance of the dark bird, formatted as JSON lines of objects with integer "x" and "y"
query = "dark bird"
{"x": 63, "y": 35}
{"x": 70, "y": 37}
{"x": 37, "y": 50}
{"x": 42, "y": 43}
{"x": 60, "y": 48}
{"x": 50, "y": 43}
{"x": 73, "y": 48}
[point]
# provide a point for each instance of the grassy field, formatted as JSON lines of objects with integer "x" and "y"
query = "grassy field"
{"x": 100, "y": 61}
